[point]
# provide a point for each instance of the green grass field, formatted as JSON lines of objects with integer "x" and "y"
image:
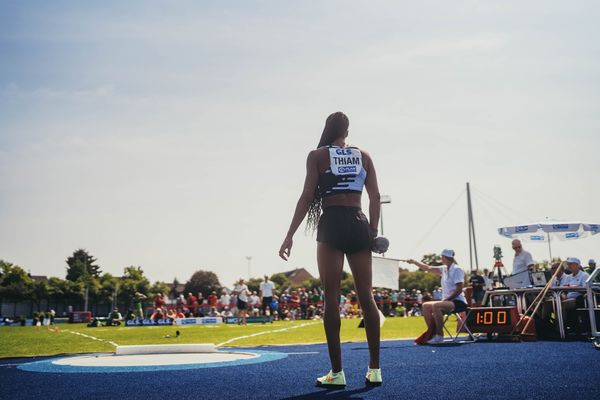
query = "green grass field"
{"x": 39, "y": 341}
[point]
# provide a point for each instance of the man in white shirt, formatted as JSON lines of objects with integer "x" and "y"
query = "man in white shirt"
{"x": 266, "y": 294}
{"x": 573, "y": 300}
{"x": 577, "y": 277}
{"x": 522, "y": 263}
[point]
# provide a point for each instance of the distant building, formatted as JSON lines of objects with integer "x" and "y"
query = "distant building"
{"x": 38, "y": 278}
{"x": 298, "y": 275}
{"x": 176, "y": 288}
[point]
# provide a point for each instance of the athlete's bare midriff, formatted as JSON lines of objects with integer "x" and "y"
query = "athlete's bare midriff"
{"x": 346, "y": 199}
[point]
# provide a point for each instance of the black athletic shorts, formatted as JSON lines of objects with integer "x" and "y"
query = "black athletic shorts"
{"x": 345, "y": 229}
{"x": 242, "y": 305}
{"x": 266, "y": 302}
{"x": 459, "y": 306}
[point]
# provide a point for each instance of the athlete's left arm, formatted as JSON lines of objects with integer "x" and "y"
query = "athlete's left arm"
{"x": 372, "y": 190}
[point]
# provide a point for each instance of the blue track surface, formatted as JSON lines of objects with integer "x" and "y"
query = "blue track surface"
{"x": 534, "y": 370}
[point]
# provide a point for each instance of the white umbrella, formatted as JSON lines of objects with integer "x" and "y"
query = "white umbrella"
{"x": 546, "y": 231}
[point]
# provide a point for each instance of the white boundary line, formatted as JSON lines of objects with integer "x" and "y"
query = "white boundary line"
{"x": 265, "y": 332}
{"x": 91, "y": 337}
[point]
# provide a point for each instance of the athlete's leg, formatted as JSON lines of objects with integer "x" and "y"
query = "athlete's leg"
{"x": 361, "y": 266}
{"x": 331, "y": 262}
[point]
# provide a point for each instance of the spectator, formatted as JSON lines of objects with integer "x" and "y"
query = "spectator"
{"x": 315, "y": 298}
{"x": 192, "y": 302}
{"x": 212, "y": 299}
{"x": 180, "y": 300}
{"x": 487, "y": 278}
{"x": 115, "y": 317}
{"x": 226, "y": 312}
{"x": 285, "y": 298}
{"x": 225, "y": 299}
{"x": 303, "y": 302}
{"x": 437, "y": 294}
{"x": 172, "y": 314}
{"x": 130, "y": 315}
{"x": 201, "y": 301}
{"x": 377, "y": 298}
{"x": 385, "y": 300}
{"x": 590, "y": 268}
{"x": 213, "y": 313}
{"x": 266, "y": 295}
{"x": 394, "y": 299}
{"x": 158, "y": 314}
{"x": 242, "y": 303}
{"x": 275, "y": 306}
{"x": 294, "y": 300}
{"x": 233, "y": 303}
{"x": 253, "y": 300}
{"x": 427, "y": 296}
{"x": 478, "y": 284}
{"x": 419, "y": 297}
{"x": 138, "y": 304}
{"x": 159, "y": 301}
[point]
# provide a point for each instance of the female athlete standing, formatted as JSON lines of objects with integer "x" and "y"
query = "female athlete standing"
{"x": 335, "y": 176}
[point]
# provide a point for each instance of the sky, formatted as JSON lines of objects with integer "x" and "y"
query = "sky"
{"x": 173, "y": 135}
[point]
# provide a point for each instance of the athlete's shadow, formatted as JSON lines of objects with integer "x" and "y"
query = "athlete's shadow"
{"x": 332, "y": 394}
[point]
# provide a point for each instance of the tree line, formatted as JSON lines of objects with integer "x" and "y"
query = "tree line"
{"x": 84, "y": 274}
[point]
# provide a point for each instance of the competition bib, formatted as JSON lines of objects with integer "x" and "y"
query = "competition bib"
{"x": 345, "y": 161}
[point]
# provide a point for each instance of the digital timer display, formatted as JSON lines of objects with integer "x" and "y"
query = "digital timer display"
{"x": 492, "y": 319}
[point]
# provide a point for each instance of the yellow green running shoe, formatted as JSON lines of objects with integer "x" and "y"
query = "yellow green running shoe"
{"x": 373, "y": 377}
{"x": 332, "y": 380}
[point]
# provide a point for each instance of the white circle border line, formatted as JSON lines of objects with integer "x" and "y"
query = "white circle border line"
{"x": 61, "y": 365}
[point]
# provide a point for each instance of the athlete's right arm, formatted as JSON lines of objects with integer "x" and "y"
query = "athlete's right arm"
{"x": 307, "y": 196}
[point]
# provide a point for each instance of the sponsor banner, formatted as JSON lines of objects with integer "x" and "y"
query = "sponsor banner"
{"x": 199, "y": 321}
{"x": 149, "y": 322}
{"x": 250, "y": 320}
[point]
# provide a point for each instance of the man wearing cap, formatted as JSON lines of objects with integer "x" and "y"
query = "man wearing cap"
{"x": 590, "y": 268}
{"x": 523, "y": 261}
{"x": 573, "y": 300}
{"x": 453, "y": 300}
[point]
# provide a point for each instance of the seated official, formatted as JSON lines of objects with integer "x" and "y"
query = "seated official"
{"x": 573, "y": 300}
{"x": 453, "y": 300}
{"x": 560, "y": 280}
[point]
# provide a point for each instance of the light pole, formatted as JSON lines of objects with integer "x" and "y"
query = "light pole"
{"x": 385, "y": 199}
{"x": 249, "y": 258}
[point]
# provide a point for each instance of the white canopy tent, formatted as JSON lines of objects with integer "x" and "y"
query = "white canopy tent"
{"x": 547, "y": 231}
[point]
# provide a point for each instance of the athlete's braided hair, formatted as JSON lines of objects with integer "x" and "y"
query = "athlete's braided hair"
{"x": 336, "y": 126}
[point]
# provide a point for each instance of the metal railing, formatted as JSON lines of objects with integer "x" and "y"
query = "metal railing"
{"x": 589, "y": 283}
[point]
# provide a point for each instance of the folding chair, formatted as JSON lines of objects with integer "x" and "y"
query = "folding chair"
{"x": 462, "y": 327}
